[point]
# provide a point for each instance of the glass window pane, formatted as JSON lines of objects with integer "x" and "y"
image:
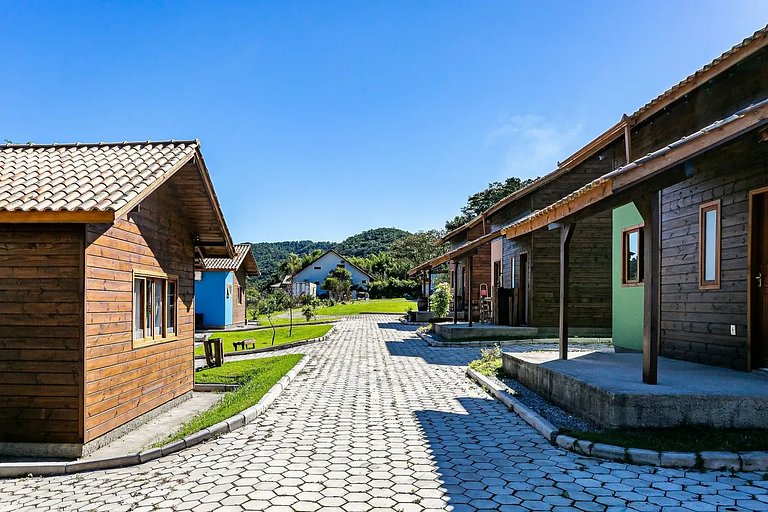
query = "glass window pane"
{"x": 138, "y": 309}
{"x": 632, "y": 257}
{"x": 158, "y": 309}
{"x": 148, "y": 309}
{"x": 171, "y": 307}
{"x": 710, "y": 244}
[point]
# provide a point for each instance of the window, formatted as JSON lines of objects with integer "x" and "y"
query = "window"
{"x": 228, "y": 291}
{"x": 709, "y": 245}
{"x": 632, "y": 256}
{"x": 240, "y": 294}
{"x": 154, "y": 309}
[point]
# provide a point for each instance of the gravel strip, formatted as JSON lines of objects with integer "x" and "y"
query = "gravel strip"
{"x": 552, "y": 413}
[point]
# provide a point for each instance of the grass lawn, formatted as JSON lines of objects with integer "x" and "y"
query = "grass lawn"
{"x": 368, "y": 306}
{"x": 255, "y": 377}
{"x": 263, "y": 337}
{"x": 297, "y": 319}
{"x": 682, "y": 439}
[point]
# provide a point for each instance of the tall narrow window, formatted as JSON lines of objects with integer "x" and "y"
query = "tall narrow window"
{"x": 138, "y": 307}
{"x": 158, "y": 310}
{"x": 709, "y": 245}
{"x": 171, "y": 329}
{"x": 632, "y": 256}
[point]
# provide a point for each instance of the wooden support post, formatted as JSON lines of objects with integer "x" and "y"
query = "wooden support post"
{"x": 455, "y": 291}
{"x": 649, "y": 208}
{"x": 566, "y": 234}
{"x": 469, "y": 292}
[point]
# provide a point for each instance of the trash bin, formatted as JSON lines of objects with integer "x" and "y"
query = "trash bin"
{"x": 214, "y": 352}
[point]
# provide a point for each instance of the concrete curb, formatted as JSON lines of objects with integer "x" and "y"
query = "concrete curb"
{"x": 499, "y": 391}
{"x": 17, "y": 469}
{"x": 260, "y": 327}
{"x": 214, "y": 388}
{"x": 714, "y": 460}
{"x": 275, "y": 348}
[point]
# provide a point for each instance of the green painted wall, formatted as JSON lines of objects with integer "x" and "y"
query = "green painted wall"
{"x": 627, "y": 300}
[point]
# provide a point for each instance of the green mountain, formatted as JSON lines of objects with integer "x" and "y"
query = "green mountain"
{"x": 269, "y": 254}
{"x": 370, "y": 242}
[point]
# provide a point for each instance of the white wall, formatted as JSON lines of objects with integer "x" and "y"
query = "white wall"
{"x": 326, "y": 264}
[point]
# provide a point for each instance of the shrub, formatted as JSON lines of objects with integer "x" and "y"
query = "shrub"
{"x": 440, "y": 300}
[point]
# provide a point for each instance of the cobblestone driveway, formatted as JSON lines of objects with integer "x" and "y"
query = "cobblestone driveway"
{"x": 379, "y": 421}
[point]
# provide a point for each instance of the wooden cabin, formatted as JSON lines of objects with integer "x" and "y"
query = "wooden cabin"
{"x": 691, "y": 214}
{"x": 522, "y": 274}
{"x": 220, "y": 289}
{"x": 99, "y": 243}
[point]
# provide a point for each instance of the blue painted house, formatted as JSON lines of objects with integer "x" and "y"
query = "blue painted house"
{"x": 220, "y": 289}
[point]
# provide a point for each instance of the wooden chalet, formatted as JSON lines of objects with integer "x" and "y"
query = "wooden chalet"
{"x": 521, "y": 274}
{"x": 698, "y": 179}
{"x": 99, "y": 244}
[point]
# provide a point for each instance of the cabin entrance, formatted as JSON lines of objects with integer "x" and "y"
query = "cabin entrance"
{"x": 758, "y": 278}
{"x": 523, "y": 290}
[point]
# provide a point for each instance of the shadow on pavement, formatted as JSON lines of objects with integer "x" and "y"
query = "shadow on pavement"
{"x": 488, "y": 459}
{"x": 416, "y": 347}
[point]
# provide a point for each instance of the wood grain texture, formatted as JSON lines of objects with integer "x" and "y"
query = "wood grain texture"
{"x": 695, "y": 323}
{"x": 123, "y": 382}
{"x": 41, "y": 334}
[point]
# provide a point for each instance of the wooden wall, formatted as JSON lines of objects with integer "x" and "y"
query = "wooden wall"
{"x": 41, "y": 333}
{"x": 122, "y": 382}
{"x": 695, "y": 323}
{"x": 590, "y": 303}
{"x": 590, "y": 299}
{"x": 238, "y": 310}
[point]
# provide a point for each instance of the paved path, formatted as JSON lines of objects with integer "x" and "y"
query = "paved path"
{"x": 379, "y": 421}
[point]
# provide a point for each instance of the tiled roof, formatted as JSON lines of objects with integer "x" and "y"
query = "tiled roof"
{"x": 241, "y": 252}
{"x": 84, "y": 177}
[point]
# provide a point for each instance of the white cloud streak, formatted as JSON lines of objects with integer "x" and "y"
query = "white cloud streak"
{"x": 533, "y": 144}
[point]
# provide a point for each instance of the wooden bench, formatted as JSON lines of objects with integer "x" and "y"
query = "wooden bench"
{"x": 244, "y": 343}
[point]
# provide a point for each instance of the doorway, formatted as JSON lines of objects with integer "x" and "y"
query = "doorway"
{"x": 523, "y": 287}
{"x": 758, "y": 277}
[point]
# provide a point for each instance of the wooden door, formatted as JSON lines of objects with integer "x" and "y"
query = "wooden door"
{"x": 523, "y": 287}
{"x": 759, "y": 280}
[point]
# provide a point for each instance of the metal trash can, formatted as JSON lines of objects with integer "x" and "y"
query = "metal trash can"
{"x": 214, "y": 352}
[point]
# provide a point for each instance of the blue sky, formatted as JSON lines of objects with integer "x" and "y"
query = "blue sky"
{"x": 321, "y": 119}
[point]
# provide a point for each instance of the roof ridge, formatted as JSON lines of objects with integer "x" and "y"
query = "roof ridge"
{"x": 100, "y": 144}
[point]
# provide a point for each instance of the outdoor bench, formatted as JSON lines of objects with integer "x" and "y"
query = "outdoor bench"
{"x": 244, "y": 343}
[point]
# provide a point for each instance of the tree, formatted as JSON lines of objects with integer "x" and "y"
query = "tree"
{"x": 338, "y": 283}
{"x": 440, "y": 301}
{"x": 417, "y": 248}
{"x": 481, "y": 201}
{"x": 270, "y": 304}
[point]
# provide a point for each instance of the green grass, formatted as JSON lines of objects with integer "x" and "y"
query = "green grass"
{"x": 255, "y": 377}
{"x": 682, "y": 439}
{"x": 297, "y": 320}
{"x": 487, "y": 367}
{"x": 263, "y": 337}
{"x": 368, "y": 306}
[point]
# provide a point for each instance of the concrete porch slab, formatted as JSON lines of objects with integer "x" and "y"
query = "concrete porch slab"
{"x": 462, "y": 331}
{"x": 607, "y": 389}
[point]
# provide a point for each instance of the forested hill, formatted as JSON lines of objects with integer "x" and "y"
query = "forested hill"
{"x": 373, "y": 241}
{"x": 370, "y": 242}
{"x": 270, "y": 254}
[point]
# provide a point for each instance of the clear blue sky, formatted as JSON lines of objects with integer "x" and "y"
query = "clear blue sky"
{"x": 321, "y": 119}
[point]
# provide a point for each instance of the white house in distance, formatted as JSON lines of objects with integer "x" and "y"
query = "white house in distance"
{"x": 318, "y": 270}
